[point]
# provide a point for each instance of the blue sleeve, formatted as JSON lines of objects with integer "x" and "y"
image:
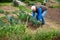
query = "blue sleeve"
{"x": 39, "y": 13}
{"x": 33, "y": 13}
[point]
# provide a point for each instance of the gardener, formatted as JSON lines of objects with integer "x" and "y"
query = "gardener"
{"x": 41, "y": 13}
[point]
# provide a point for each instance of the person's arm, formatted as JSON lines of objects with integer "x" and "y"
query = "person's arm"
{"x": 33, "y": 13}
{"x": 39, "y": 13}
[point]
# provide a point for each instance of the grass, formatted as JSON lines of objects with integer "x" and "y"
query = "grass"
{"x": 20, "y": 32}
{"x": 58, "y": 0}
{"x": 1, "y": 11}
{"x": 54, "y": 6}
{"x": 24, "y": 8}
{"x": 5, "y": 4}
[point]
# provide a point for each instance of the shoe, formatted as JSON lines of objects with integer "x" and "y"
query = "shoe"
{"x": 43, "y": 23}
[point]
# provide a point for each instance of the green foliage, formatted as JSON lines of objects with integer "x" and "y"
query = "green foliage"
{"x": 15, "y": 12}
{"x": 23, "y": 16}
{"x": 1, "y": 11}
{"x": 2, "y": 21}
{"x": 12, "y": 31}
{"x": 20, "y": 32}
{"x": 6, "y": 13}
{"x": 25, "y": 9}
{"x": 41, "y": 1}
{"x": 5, "y": 4}
{"x": 46, "y": 35}
{"x": 34, "y": 21}
{"x": 54, "y": 6}
{"x": 29, "y": 3}
{"x": 58, "y": 0}
{"x": 5, "y": 0}
{"x": 27, "y": 36}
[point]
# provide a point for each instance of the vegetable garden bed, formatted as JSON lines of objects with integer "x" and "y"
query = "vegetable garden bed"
{"x": 23, "y": 17}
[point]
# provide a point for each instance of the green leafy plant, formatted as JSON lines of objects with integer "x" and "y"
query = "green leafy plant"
{"x": 46, "y": 35}
{"x": 6, "y": 13}
{"x": 34, "y": 21}
{"x": 1, "y": 11}
{"x": 25, "y": 9}
{"x": 1, "y": 22}
{"x": 22, "y": 16}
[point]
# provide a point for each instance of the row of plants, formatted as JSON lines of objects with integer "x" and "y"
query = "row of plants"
{"x": 54, "y": 6}
{"x": 23, "y": 16}
{"x": 20, "y": 32}
{"x": 32, "y": 2}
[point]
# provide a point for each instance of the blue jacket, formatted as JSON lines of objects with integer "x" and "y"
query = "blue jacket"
{"x": 39, "y": 13}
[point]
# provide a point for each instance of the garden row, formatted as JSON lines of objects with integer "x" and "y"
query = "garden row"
{"x": 20, "y": 32}
{"x": 22, "y": 17}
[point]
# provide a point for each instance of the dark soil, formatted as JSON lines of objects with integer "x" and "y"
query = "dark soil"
{"x": 54, "y": 14}
{"x": 56, "y": 38}
{"x": 32, "y": 26}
